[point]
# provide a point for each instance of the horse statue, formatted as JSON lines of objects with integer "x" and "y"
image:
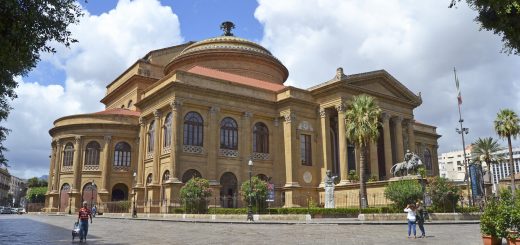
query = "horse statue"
{"x": 411, "y": 163}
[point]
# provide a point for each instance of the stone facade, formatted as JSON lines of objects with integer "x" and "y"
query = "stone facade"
{"x": 206, "y": 108}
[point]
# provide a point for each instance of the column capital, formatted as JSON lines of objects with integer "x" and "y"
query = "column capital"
{"x": 107, "y": 138}
{"x": 398, "y": 119}
{"x": 214, "y": 109}
{"x": 323, "y": 112}
{"x": 175, "y": 104}
{"x": 248, "y": 114}
{"x": 141, "y": 121}
{"x": 77, "y": 139}
{"x": 341, "y": 108}
{"x": 156, "y": 113}
{"x": 289, "y": 117}
{"x": 386, "y": 116}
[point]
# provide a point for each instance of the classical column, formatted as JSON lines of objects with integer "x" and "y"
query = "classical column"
{"x": 57, "y": 165}
{"x": 213, "y": 144}
{"x": 411, "y": 136}
{"x": 374, "y": 167}
{"x": 50, "y": 186}
{"x": 77, "y": 163}
{"x": 291, "y": 149}
{"x": 399, "y": 138}
{"x": 342, "y": 144}
{"x": 175, "y": 143}
{"x": 106, "y": 163}
{"x": 245, "y": 148}
{"x": 325, "y": 138}
{"x": 141, "y": 153}
{"x": 388, "y": 145}
{"x": 435, "y": 160}
{"x": 156, "y": 148}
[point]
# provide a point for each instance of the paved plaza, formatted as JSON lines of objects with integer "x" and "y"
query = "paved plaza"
{"x": 43, "y": 229}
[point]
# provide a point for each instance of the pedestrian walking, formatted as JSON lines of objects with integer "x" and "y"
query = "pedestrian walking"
{"x": 419, "y": 217}
{"x": 83, "y": 215}
{"x": 94, "y": 210}
{"x": 411, "y": 217}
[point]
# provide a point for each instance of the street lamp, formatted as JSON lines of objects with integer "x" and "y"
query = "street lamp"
{"x": 134, "y": 210}
{"x": 463, "y": 131}
{"x": 92, "y": 187}
{"x": 70, "y": 199}
{"x": 249, "y": 206}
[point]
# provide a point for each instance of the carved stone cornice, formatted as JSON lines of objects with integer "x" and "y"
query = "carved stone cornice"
{"x": 175, "y": 104}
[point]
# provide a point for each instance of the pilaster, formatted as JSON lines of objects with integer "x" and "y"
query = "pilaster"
{"x": 342, "y": 144}
{"x": 213, "y": 133}
{"x": 156, "y": 148}
{"x": 57, "y": 164}
{"x": 141, "y": 153}
{"x": 387, "y": 144}
{"x": 106, "y": 163}
{"x": 374, "y": 167}
{"x": 175, "y": 145}
{"x": 399, "y": 138}
{"x": 411, "y": 136}
{"x": 325, "y": 138}
{"x": 77, "y": 162}
{"x": 291, "y": 149}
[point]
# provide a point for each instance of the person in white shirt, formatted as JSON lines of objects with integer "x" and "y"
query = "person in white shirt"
{"x": 410, "y": 209}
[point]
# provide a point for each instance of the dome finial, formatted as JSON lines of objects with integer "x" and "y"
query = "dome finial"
{"x": 227, "y": 26}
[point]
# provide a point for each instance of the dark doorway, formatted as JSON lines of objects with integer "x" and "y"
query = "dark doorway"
{"x": 228, "y": 191}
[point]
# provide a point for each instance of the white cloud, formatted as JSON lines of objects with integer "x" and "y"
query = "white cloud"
{"x": 418, "y": 43}
{"x": 108, "y": 44}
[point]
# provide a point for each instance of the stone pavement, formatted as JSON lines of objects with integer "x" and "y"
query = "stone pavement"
{"x": 45, "y": 229}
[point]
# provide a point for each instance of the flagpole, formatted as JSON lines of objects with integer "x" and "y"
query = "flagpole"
{"x": 463, "y": 131}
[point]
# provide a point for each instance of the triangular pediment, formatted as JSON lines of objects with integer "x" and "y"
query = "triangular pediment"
{"x": 381, "y": 82}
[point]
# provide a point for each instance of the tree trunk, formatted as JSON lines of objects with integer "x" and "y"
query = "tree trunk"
{"x": 362, "y": 178}
{"x": 511, "y": 166}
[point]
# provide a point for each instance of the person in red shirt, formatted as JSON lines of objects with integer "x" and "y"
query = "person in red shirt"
{"x": 83, "y": 215}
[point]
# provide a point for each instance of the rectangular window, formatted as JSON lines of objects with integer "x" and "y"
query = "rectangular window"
{"x": 305, "y": 149}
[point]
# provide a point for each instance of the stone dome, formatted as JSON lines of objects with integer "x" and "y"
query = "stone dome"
{"x": 231, "y": 54}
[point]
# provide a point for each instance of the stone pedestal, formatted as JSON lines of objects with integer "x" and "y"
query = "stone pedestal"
{"x": 329, "y": 197}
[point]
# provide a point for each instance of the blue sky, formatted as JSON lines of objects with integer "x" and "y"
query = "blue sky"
{"x": 418, "y": 42}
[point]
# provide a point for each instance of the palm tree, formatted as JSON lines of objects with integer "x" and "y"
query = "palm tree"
{"x": 507, "y": 126}
{"x": 361, "y": 126}
{"x": 483, "y": 149}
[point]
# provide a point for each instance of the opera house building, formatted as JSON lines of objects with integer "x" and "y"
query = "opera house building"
{"x": 204, "y": 109}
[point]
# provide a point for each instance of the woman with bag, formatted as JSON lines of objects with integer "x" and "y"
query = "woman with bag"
{"x": 410, "y": 209}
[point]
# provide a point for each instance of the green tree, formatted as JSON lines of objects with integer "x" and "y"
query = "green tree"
{"x": 36, "y": 182}
{"x": 444, "y": 194}
{"x": 195, "y": 194}
{"x": 27, "y": 28}
{"x": 36, "y": 194}
{"x": 361, "y": 126}
{"x": 483, "y": 149}
{"x": 258, "y": 192}
{"x": 501, "y": 17}
{"x": 403, "y": 192}
{"x": 507, "y": 126}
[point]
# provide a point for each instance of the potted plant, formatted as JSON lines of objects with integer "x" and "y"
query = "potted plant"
{"x": 489, "y": 225}
{"x": 513, "y": 238}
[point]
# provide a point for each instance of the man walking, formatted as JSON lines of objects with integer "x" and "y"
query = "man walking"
{"x": 83, "y": 215}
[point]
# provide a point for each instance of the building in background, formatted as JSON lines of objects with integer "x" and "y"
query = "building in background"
{"x": 451, "y": 164}
{"x": 17, "y": 190}
{"x": 501, "y": 171}
{"x": 5, "y": 184}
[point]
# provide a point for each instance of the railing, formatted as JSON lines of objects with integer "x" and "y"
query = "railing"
{"x": 91, "y": 168}
{"x": 66, "y": 168}
{"x": 228, "y": 153}
{"x": 193, "y": 149}
{"x": 121, "y": 168}
{"x": 261, "y": 156}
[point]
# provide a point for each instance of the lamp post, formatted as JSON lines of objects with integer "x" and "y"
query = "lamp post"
{"x": 249, "y": 206}
{"x": 70, "y": 199}
{"x": 463, "y": 131}
{"x": 92, "y": 187}
{"x": 134, "y": 210}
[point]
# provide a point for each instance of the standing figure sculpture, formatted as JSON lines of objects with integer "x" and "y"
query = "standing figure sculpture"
{"x": 329, "y": 190}
{"x": 411, "y": 163}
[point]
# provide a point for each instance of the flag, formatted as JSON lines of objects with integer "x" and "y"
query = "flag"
{"x": 459, "y": 96}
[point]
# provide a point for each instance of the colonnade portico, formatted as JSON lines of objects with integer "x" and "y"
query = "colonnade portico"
{"x": 390, "y": 157}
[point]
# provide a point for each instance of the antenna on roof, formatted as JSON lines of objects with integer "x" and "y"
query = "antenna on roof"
{"x": 227, "y": 26}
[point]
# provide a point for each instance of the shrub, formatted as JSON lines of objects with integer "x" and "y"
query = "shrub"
{"x": 403, "y": 192}
{"x": 194, "y": 195}
{"x": 257, "y": 194}
{"x": 488, "y": 224}
{"x": 444, "y": 194}
{"x": 36, "y": 194}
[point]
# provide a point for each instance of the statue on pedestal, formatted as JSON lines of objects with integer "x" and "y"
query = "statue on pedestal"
{"x": 411, "y": 163}
{"x": 329, "y": 190}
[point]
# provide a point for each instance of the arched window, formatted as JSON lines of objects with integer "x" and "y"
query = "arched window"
{"x": 228, "y": 134}
{"x": 151, "y": 136}
{"x": 68, "y": 154}
{"x": 166, "y": 176}
{"x": 122, "y": 154}
{"x": 92, "y": 153}
{"x": 428, "y": 160}
{"x": 167, "y": 130}
{"x": 260, "y": 138}
{"x": 193, "y": 129}
{"x": 119, "y": 192}
{"x": 192, "y": 173}
{"x": 149, "y": 179}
